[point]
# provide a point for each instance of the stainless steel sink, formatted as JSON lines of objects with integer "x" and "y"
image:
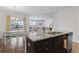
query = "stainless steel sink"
{"x": 55, "y": 33}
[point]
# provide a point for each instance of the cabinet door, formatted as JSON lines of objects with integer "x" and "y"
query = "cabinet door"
{"x": 30, "y": 46}
{"x": 44, "y": 46}
{"x": 58, "y": 44}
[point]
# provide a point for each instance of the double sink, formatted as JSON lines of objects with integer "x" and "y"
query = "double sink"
{"x": 55, "y": 33}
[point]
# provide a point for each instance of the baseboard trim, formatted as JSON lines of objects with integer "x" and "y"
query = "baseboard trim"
{"x": 75, "y": 41}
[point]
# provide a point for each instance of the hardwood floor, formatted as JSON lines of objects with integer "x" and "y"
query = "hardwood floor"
{"x": 18, "y": 46}
{"x": 14, "y": 45}
{"x": 75, "y": 48}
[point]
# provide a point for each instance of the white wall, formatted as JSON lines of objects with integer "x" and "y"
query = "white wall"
{"x": 68, "y": 20}
{"x": 77, "y": 24}
{"x": 47, "y": 22}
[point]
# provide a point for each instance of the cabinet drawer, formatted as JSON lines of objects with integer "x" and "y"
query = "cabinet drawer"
{"x": 43, "y": 43}
{"x": 44, "y": 50}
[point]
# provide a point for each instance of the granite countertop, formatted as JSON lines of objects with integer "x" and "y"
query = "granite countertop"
{"x": 36, "y": 36}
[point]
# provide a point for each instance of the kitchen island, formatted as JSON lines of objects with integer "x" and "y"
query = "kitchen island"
{"x": 54, "y": 42}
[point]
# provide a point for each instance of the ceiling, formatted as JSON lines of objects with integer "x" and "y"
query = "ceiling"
{"x": 32, "y": 10}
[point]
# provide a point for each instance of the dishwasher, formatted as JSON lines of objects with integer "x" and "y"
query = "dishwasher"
{"x": 70, "y": 37}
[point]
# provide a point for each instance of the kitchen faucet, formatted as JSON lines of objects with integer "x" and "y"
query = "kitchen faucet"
{"x": 50, "y": 28}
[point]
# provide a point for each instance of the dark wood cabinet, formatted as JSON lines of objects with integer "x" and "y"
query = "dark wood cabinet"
{"x": 58, "y": 45}
{"x": 48, "y": 45}
{"x": 45, "y": 45}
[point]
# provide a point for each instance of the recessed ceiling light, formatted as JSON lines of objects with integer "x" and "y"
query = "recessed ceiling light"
{"x": 13, "y": 18}
{"x": 16, "y": 18}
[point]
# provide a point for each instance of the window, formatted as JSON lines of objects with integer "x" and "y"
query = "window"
{"x": 38, "y": 24}
{"x": 16, "y": 24}
{"x": 32, "y": 22}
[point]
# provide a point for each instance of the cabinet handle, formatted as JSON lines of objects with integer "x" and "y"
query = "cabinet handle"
{"x": 46, "y": 43}
{"x": 45, "y": 49}
{"x": 29, "y": 44}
